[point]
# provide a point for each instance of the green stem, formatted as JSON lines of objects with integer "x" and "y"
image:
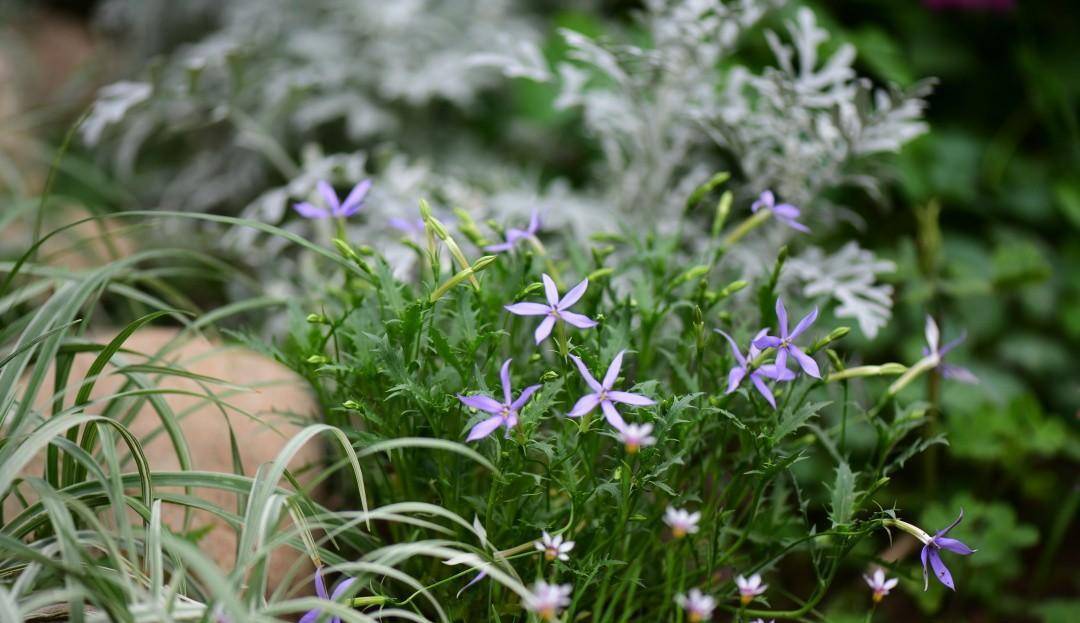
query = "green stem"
{"x": 746, "y": 227}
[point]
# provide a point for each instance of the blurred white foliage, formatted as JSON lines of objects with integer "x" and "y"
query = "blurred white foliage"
{"x": 271, "y": 76}
{"x": 800, "y": 127}
{"x": 267, "y": 72}
{"x": 849, "y": 276}
{"x": 112, "y": 104}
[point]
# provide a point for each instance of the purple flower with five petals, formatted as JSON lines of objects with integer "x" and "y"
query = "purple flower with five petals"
{"x": 556, "y": 309}
{"x": 605, "y": 396}
{"x": 756, "y": 375}
{"x": 513, "y": 235}
{"x": 320, "y": 589}
{"x": 931, "y": 553}
{"x": 342, "y": 209}
{"x": 502, "y": 413}
{"x": 783, "y": 344}
{"x": 933, "y": 338}
{"x": 785, "y": 212}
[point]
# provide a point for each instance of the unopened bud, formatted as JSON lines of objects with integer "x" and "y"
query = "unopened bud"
{"x": 484, "y": 262}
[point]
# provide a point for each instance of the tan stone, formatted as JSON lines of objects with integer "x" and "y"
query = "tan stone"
{"x": 49, "y": 62}
{"x": 278, "y": 401}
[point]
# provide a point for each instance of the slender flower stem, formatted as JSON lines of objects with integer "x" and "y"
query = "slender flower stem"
{"x": 542, "y": 252}
{"x": 746, "y": 227}
{"x": 926, "y": 363}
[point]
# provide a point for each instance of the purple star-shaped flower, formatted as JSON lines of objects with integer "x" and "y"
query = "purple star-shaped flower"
{"x": 933, "y": 338}
{"x": 556, "y": 309}
{"x": 604, "y": 396}
{"x": 783, "y": 344}
{"x": 502, "y": 413}
{"x": 320, "y": 589}
{"x": 513, "y": 235}
{"x": 785, "y": 212}
{"x": 343, "y": 209}
{"x": 756, "y": 375}
{"x": 931, "y": 553}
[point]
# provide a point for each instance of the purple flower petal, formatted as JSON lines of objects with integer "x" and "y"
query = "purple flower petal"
{"x": 766, "y": 341}
{"x": 590, "y": 380}
{"x": 534, "y": 222}
{"x": 356, "y": 197}
{"x": 407, "y": 226}
{"x": 952, "y": 344}
{"x": 613, "y": 370}
{"x": 940, "y": 570}
{"x": 551, "y": 291}
{"x": 528, "y": 309}
{"x": 630, "y": 398}
{"x": 307, "y": 210}
{"x": 485, "y": 428}
{"x": 513, "y": 235}
{"x": 781, "y": 358}
{"x": 479, "y": 576}
{"x": 933, "y": 336}
{"x": 735, "y": 351}
{"x": 328, "y": 195}
{"x": 754, "y": 351}
{"x": 483, "y": 403}
{"x": 959, "y": 373}
{"x": 925, "y": 555}
{"x": 340, "y": 589}
{"x": 781, "y": 318}
{"x": 612, "y": 415}
{"x": 806, "y": 362}
{"x": 580, "y": 321}
{"x": 574, "y": 295}
{"x": 786, "y": 211}
{"x": 320, "y": 590}
{"x": 734, "y": 378}
{"x": 953, "y": 545}
{"x": 804, "y": 324}
{"x": 320, "y": 584}
{"x": 763, "y": 389}
{"x": 524, "y": 397}
{"x": 770, "y": 371}
{"x": 504, "y": 376}
{"x": 584, "y": 405}
{"x": 764, "y": 200}
{"x": 499, "y": 248}
{"x": 543, "y": 330}
{"x": 796, "y": 225}
{"x": 955, "y": 523}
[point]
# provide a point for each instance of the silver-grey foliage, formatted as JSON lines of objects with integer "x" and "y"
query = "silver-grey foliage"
{"x": 254, "y": 95}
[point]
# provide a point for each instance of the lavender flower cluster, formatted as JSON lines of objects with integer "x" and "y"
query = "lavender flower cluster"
{"x": 766, "y": 360}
